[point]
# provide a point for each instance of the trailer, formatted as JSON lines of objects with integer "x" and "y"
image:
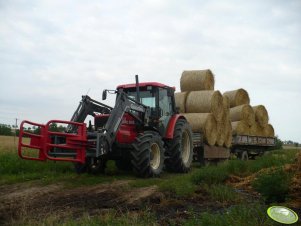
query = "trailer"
{"x": 249, "y": 147}
{"x": 244, "y": 147}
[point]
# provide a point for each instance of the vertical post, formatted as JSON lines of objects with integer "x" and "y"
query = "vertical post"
{"x": 16, "y": 126}
{"x": 137, "y": 89}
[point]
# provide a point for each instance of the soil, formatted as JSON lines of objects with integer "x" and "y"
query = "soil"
{"x": 35, "y": 201}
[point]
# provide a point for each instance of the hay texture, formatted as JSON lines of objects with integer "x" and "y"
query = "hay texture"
{"x": 205, "y": 102}
{"x": 197, "y": 80}
{"x": 240, "y": 128}
{"x": 226, "y": 106}
{"x": 228, "y": 136}
{"x": 261, "y": 115}
{"x": 180, "y": 99}
{"x": 242, "y": 113}
{"x": 204, "y": 123}
{"x": 256, "y": 129}
{"x": 268, "y": 130}
{"x": 237, "y": 97}
{"x": 221, "y": 135}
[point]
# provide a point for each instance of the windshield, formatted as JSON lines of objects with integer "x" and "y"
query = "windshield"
{"x": 146, "y": 97}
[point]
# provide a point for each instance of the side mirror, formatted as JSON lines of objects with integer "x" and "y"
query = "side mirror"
{"x": 104, "y": 94}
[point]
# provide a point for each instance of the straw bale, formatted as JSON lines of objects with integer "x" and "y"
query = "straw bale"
{"x": 205, "y": 102}
{"x": 240, "y": 128}
{"x": 261, "y": 115}
{"x": 221, "y": 131}
{"x": 242, "y": 113}
{"x": 226, "y": 106}
{"x": 197, "y": 80}
{"x": 269, "y": 130}
{"x": 228, "y": 136}
{"x": 180, "y": 99}
{"x": 203, "y": 123}
{"x": 237, "y": 97}
{"x": 256, "y": 129}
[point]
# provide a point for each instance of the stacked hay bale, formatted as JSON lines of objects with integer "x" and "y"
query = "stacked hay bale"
{"x": 217, "y": 116}
{"x": 204, "y": 108}
{"x": 247, "y": 120}
{"x": 261, "y": 126}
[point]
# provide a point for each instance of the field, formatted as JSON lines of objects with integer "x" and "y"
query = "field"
{"x": 230, "y": 193}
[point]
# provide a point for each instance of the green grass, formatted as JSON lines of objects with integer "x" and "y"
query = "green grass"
{"x": 274, "y": 185}
{"x": 222, "y": 193}
{"x": 110, "y": 218}
{"x": 249, "y": 215}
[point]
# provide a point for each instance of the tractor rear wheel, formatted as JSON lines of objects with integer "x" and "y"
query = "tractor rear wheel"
{"x": 180, "y": 148}
{"x": 148, "y": 154}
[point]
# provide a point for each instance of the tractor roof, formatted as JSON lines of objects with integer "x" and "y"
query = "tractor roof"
{"x": 142, "y": 84}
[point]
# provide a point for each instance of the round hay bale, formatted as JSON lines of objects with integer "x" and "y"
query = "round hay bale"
{"x": 228, "y": 137}
{"x": 180, "y": 99}
{"x": 205, "y": 102}
{"x": 269, "y": 130}
{"x": 197, "y": 80}
{"x": 203, "y": 123}
{"x": 237, "y": 97}
{"x": 240, "y": 128}
{"x": 242, "y": 113}
{"x": 221, "y": 131}
{"x": 261, "y": 115}
{"x": 256, "y": 129}
{"x": 226, "y": 106}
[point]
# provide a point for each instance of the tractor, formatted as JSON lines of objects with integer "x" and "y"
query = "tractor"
{"x": 143, "y": 132}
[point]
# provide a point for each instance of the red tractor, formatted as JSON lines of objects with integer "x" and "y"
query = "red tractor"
{"x": 143, "y": 132}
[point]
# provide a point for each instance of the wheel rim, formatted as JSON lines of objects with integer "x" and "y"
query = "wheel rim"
{"x": 185, "y": 147}
{"x": 155, "y": 156}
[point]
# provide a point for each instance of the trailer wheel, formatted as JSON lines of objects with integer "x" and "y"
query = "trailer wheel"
{"x": 243, "y": 156}
{"x": 148, "y": 154}
{"x": 180, "y": 148}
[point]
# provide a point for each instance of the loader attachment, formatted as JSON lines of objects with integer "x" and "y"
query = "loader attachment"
{"x": 51, "y": 145}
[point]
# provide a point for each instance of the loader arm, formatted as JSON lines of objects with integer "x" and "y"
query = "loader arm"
{"x": 86, "y": 107}
{"x": 124, "y": 104}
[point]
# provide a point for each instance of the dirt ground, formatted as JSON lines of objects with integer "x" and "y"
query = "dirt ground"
{"x": 37, "y": 201}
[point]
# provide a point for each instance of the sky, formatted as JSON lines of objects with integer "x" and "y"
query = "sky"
{"x": 52, "y": 52}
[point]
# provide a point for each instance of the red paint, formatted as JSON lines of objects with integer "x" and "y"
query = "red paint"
{"x": 127, "y": 132}
{"x": 142, "y": 84}
{"x": 171, "y": 125}
{"x": 43, "y": 143}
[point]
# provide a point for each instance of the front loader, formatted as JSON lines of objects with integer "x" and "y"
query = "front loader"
{"x": 143, "y": 132}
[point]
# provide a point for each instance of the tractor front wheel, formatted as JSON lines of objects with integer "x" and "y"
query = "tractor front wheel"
{"x": 180, "y": 148}
{"x": 148, "y": 154}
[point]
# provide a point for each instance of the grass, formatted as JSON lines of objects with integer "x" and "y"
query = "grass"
{"x": 109, "y": 218}
{"x": 210, "y": 178}
{"x": 250, "y": 215}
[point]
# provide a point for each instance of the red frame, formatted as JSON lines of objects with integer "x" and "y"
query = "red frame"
{"x": 143, "y": 84}
{"x": 42, "y": 142}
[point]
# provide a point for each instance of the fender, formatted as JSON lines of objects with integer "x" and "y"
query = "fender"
{"x": 171, "y": 125}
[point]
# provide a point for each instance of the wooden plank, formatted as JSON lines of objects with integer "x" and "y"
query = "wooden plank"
{"x": 214, "y": 152}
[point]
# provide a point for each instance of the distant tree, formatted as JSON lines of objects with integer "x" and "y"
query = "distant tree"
{"x": 5, "y": 130}
{"x": 279, "y": 143}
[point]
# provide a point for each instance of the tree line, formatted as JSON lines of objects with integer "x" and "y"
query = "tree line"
{"x": 8, "y": 130}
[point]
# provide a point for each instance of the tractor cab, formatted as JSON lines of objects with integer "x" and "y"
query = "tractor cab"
{"x": 158, "y": 97}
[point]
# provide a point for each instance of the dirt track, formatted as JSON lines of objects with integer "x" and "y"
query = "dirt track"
{"x": 36, "y": 201}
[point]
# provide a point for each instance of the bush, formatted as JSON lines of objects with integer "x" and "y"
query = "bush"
{"x": 273, "y": 186}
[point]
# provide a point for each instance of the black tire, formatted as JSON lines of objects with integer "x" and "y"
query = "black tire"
{"x": 243, "y": 156}
{"x": 148, "y": 154}
{"x": 179, "y": 150}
